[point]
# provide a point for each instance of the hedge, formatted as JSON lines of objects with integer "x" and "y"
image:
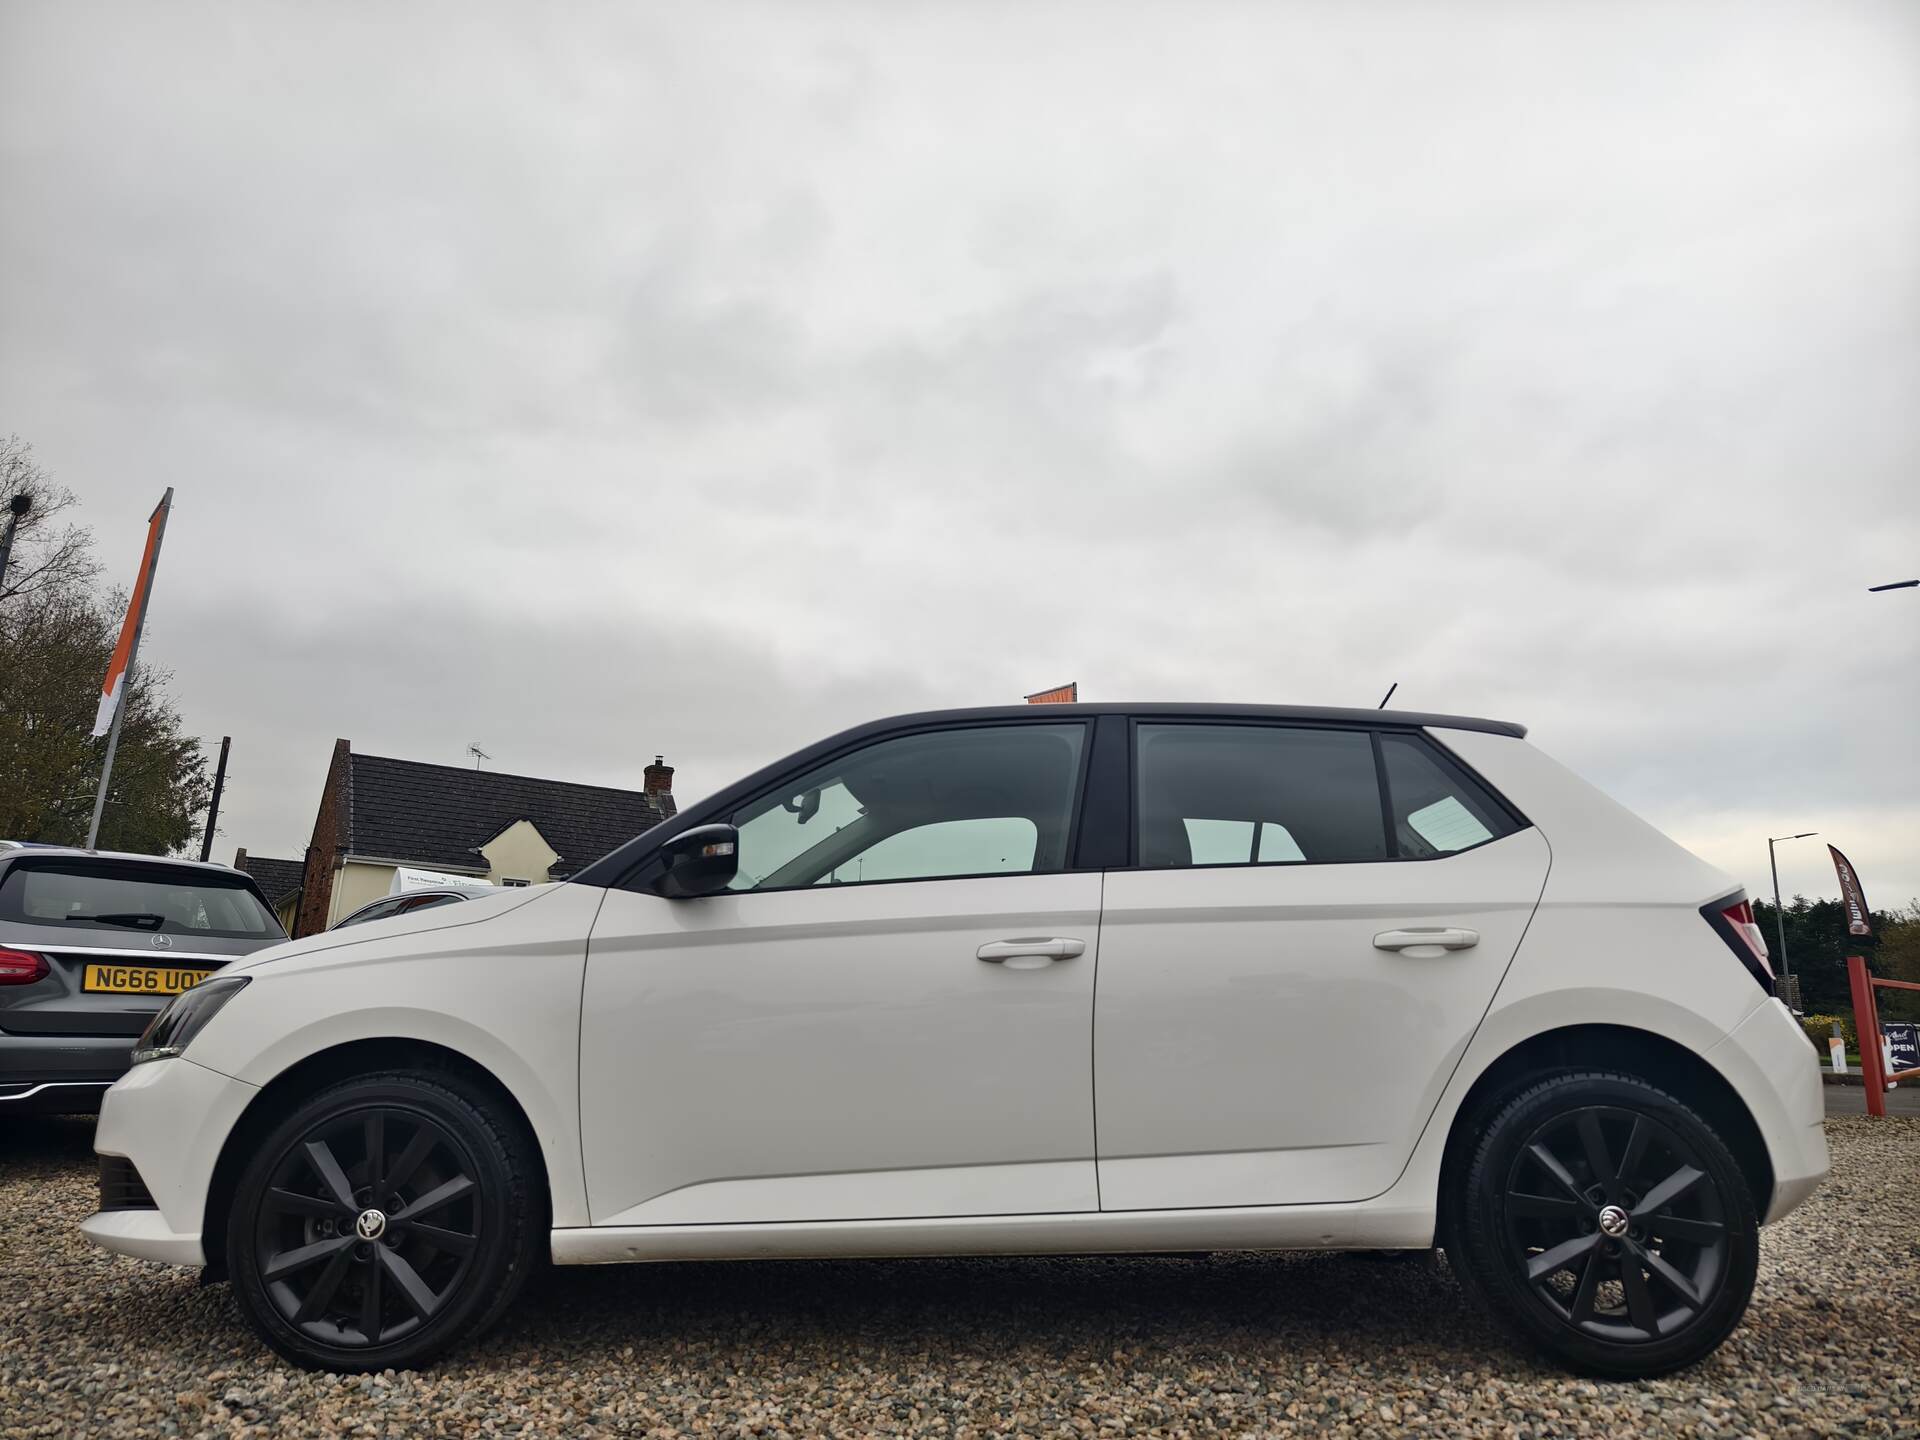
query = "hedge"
{"x": 1819, "y": 1029}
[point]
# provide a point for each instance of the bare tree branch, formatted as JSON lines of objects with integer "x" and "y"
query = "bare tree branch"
{"x": 49, "y": 553}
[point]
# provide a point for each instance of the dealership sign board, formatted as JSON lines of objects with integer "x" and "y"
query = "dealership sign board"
{"x": 1903, "y": 1046}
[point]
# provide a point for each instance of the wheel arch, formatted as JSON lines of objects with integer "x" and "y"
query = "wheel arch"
{"x": 323, "y": 1068}
{"x": 1650, "y": 1056}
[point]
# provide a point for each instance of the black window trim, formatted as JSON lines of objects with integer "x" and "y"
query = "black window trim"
{"x": 1384, "y": 784}
{"x": 632, "y": 866}
{"x": 1441, "y": 756}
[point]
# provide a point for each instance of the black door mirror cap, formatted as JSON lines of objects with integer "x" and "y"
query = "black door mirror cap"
{"x": 700, "y": 861}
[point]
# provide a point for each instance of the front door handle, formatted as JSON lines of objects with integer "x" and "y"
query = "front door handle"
{"x": 1428, "y": 943}
{"x": 1030, "y": 954}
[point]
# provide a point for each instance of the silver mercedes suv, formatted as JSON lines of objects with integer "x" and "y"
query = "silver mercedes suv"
{"x": 92, "y": 943}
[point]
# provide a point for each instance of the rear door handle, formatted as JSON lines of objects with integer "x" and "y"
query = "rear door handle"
{"x": 1428, "y": 943}
{"x": 1030, "y": 954}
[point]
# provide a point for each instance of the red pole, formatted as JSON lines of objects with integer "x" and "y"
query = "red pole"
{"x": 1866, "y": 1025}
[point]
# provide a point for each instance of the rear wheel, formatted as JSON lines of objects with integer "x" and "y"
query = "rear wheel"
{"x": 383, "y": 1221}
{"x": 1605, "y": 1221}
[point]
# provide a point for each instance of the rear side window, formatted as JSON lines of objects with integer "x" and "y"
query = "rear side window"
{"x": 1437, "y": 808}
{"x": 1256, "y": 795}
{"x": 131, "y": 899}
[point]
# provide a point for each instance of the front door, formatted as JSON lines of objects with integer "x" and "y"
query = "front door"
{"x": 890, "y": 1015}
{"x": 1317, "y": 921}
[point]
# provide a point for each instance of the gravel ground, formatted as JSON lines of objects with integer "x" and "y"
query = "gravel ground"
{"x": 94, "y": 1345}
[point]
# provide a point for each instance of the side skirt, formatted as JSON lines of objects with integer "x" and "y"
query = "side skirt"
{"x": 1284, "y": 1227}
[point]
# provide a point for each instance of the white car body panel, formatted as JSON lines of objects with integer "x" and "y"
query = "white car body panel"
{"x": 496, "y": 980}
{"x": 1253, "y": 1047}
{"x": 171, "y": 1117}
{"x": 831, "y": 1071}
{"x": 839, "y": 1052}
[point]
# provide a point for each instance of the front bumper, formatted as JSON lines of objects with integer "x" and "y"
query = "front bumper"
{"x": 170, "y": 1118}
{"x": 1777, "y": 1073}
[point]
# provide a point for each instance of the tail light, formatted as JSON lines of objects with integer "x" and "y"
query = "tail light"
{"x": 1732, "y": 917}
{"x": 21, "y": 967}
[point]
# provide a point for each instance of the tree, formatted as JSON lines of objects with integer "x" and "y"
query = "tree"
{"x": 1818, "y": 946}
{"x": 56, "y": 634}
{"x": 50, "y": 553}
{"x": 1897, "y": 957}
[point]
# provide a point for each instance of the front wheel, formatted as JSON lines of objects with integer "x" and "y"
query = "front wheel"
{"x": 1606, "y": 1222}
{"x": 383, "y": 1221}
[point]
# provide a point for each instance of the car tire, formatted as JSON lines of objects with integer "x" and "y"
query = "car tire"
{"x": 1602, "y": 1220}
{"x": 385, "y": 1220}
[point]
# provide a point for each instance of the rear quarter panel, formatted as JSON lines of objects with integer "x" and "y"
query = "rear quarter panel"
{"x": 1617, "y": 940}
{"x": 1618, "y": 937}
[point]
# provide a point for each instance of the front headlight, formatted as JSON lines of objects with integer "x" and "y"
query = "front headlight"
{"x": 184, "y": 1017}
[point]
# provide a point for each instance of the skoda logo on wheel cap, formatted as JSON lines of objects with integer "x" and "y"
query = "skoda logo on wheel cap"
{"x": 371, "y": 1224}
{"x": 1613, "y": 1221}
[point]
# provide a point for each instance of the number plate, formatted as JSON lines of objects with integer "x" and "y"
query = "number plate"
{"x": 140, "y": 979}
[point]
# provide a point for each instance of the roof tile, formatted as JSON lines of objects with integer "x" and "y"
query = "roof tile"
{"x": 439, "y": 815}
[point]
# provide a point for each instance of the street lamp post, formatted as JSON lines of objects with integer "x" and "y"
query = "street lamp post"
{"x": 1779, "y": 915}
{"x": 1896, "y": 585}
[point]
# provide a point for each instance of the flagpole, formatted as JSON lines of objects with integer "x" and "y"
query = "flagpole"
{"x": 133, "y": 660}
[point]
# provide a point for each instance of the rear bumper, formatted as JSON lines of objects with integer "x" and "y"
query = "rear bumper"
{"x": 170, "y": 1118}
{"x": 1777, "y": 1073}
{"x": 59, "y": 1074}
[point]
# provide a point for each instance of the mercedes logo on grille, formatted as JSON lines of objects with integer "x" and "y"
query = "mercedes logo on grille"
{"x": 162, "y": 942}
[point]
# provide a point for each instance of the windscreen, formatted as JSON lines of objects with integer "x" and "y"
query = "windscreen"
{"x": 131, "y": 898}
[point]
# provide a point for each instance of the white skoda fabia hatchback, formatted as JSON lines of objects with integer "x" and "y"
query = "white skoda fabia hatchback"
{"x": 1055, "y": 979}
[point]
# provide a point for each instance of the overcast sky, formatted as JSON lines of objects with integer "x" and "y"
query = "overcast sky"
{"x": 591, "y": 382}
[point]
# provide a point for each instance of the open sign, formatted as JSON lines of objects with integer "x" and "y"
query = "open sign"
{"x": 1903, "y": 1041}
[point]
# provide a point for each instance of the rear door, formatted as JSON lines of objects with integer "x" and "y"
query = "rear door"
{"x": 119, "y": 938}
{"x": 1315, "y": 922}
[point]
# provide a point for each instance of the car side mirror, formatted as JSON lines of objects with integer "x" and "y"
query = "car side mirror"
{"x": 699, "y": 861}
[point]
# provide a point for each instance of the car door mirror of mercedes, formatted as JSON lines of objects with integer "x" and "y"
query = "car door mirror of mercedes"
{"x": 699, "y": 861}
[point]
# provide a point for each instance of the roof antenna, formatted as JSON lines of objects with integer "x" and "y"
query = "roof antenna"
{"x": 1388, "y": 696}
{"x": 479, "y": 754}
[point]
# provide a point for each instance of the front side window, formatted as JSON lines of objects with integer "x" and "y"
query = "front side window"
{"x": 1256, "y": 795}
{"x": 1437, "y": 808}
{"x": 986, "y": 800}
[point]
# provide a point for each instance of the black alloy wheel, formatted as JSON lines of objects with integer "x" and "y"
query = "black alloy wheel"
{"x": 1620, "y": 1229}
{"x": 1604, "y": 1220}
{"x": 369, "y": 1226}
{"x": 383, "y": 1221}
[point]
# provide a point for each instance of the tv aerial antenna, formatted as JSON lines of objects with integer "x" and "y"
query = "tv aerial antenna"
{"x": 478, "y": 754}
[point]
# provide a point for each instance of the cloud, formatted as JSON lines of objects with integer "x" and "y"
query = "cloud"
{"x": 621, "y": 380}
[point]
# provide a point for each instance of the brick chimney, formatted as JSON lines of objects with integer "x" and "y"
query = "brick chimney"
{"x": 659, "y": 777}
{"x": 660, "y": 788}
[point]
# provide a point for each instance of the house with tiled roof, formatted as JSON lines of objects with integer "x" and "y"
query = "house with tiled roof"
{"x": 380, "y": 817}
{"x": 279, "y": 881}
